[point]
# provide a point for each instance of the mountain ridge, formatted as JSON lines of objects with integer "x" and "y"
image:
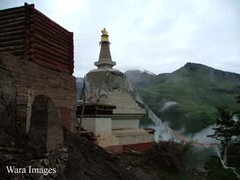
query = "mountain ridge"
{"x": 196, "y": 90}
{"x": 138, "y": 75}
{"x": 193, "y": 67}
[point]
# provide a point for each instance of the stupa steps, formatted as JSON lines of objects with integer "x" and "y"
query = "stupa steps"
{"x": 131, "y": 136}
{"x": 121, "y": 100}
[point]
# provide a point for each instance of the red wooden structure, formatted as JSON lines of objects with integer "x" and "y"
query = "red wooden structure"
{"x": 29, "y": 34}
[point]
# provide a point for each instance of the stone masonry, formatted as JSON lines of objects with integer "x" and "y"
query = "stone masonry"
{"x": 59, "y": 86}
{"x": 46, "y": 133}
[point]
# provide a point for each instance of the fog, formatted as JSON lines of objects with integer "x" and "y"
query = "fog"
{"x": 198, "y": 154}
{"x": 203, "y": 147}
{"x": 168, "y": 105}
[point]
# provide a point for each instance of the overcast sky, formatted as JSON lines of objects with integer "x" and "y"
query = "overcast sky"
{"x": 155, "y": 35}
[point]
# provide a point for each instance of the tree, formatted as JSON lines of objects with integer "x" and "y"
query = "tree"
{"x": 227, "y": 126}
{"x": 227, "y": 131}
{"x": 238, "y": 101}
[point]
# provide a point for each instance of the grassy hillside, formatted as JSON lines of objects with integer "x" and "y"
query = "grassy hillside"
{"x": 187, "y": 97}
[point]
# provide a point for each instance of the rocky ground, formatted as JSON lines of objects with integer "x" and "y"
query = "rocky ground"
{"x": 79, "y": 158}
{"x": 49, "y": 151}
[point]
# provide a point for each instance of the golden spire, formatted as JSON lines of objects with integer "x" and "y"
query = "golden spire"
{"x": 104, "y": 35}
{"x": 105, "y": 59}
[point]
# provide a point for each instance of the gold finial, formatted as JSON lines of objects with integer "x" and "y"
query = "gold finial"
{"x": 104, "y": 31}
{"x": 104, "y": 35}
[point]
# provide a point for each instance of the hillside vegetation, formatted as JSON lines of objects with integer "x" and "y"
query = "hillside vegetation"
{"x": 187, "y": 97}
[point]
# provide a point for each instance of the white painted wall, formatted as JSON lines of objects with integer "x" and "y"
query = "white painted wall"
{"x": 98, "y": 125}
{"x": 125, "y": 124}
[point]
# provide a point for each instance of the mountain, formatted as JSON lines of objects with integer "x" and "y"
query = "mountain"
{"x": 79, "y": 82}
{"x": 187, "y": 97}
{"x": 136, "y": 76}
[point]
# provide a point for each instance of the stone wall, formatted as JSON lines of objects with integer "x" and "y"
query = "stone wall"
{"x": 46, "y": 132}
{"x": 27, "y": 75}
{"x": 9, "y": 95}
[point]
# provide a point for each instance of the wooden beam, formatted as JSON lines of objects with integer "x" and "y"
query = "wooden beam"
{"x": 51, "y": 56}
{"x": 12, "y": 42}
{"x": 12, "y": 32}
{"x": 52, "y": 34}
{"x": 54, "y": 44}
{"x": 42, "y": 19}
{"x": 11, "y": 48}
{"x": 11, "y": 16}
{"x": 12, "y": 21}
{"x": 7, "y": 12}
{"x": 46, "y": 49}
{"x": 47, "y": 62}
{"x": 12, "y": 37}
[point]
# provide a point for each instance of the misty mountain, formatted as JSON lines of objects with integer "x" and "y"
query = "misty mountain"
{"x": 187, "y": 97}
{"x": 79, "y": 82}
{"x": 136, "y": 76}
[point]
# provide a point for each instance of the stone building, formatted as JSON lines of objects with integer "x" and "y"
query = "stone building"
{"x": 36, "y": 57}
{"x": 108, "y": 88}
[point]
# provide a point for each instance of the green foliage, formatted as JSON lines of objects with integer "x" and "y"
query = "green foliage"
{"x": 216, "y": 171}
{"x": 226, "y": 128}
{"x": 196, "y": 90}
{"x": 238, "y": 99}
{"x": 228, "y": 132}
{"x": 233, "y": 155}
